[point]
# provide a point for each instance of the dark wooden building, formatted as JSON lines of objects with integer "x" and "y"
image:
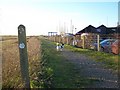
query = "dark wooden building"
{"x": 118, "y": 29}
{"x": 99, "y": 30}
{"x": 88, "y": 29}
{"x": 106, "y": 30}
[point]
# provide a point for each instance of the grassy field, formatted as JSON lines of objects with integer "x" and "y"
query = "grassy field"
{"x": 65, "y": 74}
{"x": 110, "y": 60}
{"x": 11, "y": 76}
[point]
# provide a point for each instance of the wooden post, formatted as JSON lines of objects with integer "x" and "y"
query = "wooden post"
{"x": 67, "y": 40}
{"x": 73, "y": 41}
{"x": 59, "y": 39}
{"x": 98, "y": 42}
{"x": 50, "y": 38}
{"x": 83, "y": 40}
{"x": 23, "y": 55}
{"x": 54, "y": 38}
{"x": 64, "y": 40}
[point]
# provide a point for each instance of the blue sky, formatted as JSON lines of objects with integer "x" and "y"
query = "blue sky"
{"x": 40, "y": 17}
{"x": 91, "y": 11}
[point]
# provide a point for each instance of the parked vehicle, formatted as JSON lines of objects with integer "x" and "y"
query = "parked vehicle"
{"x": 116, "y": 47}
{"x": 94, "y": 45}
{"x": 105, "y": 45}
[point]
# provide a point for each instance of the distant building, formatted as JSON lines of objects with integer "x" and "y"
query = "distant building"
{"x": 99, "y": 30}
{"x": 68, "y": 35}
{"x": 118, "y": 29}
{"x": 52, "y": 33}
{"x": 106, "y": 30}
{"x": 89, "y": 29}
{"x": 111, "y": 30}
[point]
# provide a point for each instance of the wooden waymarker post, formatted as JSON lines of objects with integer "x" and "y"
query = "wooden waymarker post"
{"x": 23, "y": 55}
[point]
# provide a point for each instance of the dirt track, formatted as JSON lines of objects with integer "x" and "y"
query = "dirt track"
{"x": 105, "y": 78}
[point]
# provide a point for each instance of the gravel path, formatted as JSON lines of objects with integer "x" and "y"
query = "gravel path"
{"x": 105, "y": 78}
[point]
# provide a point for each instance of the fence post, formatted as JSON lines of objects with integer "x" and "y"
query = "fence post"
{"x": 54, "y": 38}
{"x": 64, "y": 40}
{"x": 83, "y": 42}
{"x": 23, "y": 55}
{"x": 59, "y": 39}
{"x": 98, "y": 42}
{"x": 74, "y": 41}
{"x": 67, "y": 40}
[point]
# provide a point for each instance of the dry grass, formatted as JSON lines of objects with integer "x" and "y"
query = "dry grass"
{"x": 0, "y": 62}
{"x": 11, "y": 76}
{"x": 34, "y": 56}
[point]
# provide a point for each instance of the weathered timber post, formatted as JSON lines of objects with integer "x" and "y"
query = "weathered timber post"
{"x": 54, "y": 38}
{"x": 73, "y": 41}
{"x": 23, "y": 55}
{"x": 67, "y": 40}
{"x": 64, "y": 40}
{"x": 59, "y": 39}
{"x": 83, "y": 42}
{"x": 98, "y": 42}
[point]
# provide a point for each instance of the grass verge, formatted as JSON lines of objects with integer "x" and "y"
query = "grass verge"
{"x": 110, "y": 60}
{"x": 65, "y": 74}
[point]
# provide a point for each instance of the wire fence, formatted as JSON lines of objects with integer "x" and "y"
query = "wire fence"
{"x": 83, "y": 41}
